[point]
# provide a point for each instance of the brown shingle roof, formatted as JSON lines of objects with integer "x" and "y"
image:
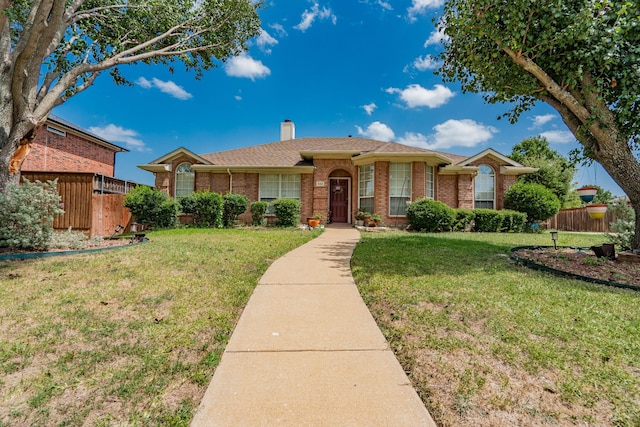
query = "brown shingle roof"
{"x": 287, "y": 153}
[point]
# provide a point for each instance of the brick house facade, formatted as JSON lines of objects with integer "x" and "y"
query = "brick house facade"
{"x": 326, "y": 175}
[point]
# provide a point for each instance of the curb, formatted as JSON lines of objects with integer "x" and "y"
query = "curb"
{"x": 540, "y": 267}
{"x": 35, "y": 255}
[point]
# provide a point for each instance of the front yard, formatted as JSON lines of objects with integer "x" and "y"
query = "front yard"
{"x": 487, "y": 342}
{"x": 129, "y": 336}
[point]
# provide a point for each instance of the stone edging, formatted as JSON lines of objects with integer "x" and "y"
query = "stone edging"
{"x": 540, "y": 267}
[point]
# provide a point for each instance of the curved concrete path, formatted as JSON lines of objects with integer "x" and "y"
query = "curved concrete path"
{"x": 307, "y": 352}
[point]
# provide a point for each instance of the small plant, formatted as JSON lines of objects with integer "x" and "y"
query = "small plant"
{"x": 258, "y": 211}
{"x": 206, "y": 208}
{"x": 318, "y": 216}
{"x": 376, "y": 217}
{"x": 26, "y": 214}
{"x": 361, "y": 215}
{"x": 487, "y": 220}
{"x": 287, "y": 212}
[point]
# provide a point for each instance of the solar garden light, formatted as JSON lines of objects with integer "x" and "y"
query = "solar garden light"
{"x": 554, "y": 237}
{"x": 134, "y": 229}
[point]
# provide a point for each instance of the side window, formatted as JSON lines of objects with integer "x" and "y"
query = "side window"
{"x": 185, "y": 180}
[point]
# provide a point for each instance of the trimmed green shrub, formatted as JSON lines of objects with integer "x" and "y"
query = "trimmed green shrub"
{"x": 26, "y": 214}
{"x": 258, "y": 211}
{"x": 152, "y": 207}
{"x": 287, "y": 212}
{"x": 537, "y": 201}
{"x": 487, "y": 220}
{"x": 205, "y": 207}
{"x": 234, "y": 205}
{"x": 513, "y": 221}
{"x": 463, "y": 220}
{"x": 430, "y": 216}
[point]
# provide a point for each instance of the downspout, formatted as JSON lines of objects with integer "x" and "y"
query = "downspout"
{"x": 230, "y": 181}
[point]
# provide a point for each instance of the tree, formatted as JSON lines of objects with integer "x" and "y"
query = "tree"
{"x": 536, "y": 200}
{"x": 51, "y": 50}
{"x": 579, "y": 56}
{"x": 555, "y": 171}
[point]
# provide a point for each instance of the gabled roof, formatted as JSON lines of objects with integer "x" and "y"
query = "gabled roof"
{"x": 58, "y": 122}
{"x": 507, "y": 166}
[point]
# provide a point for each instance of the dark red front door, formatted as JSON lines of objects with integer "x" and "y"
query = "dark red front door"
{"x": 339, "y": 200}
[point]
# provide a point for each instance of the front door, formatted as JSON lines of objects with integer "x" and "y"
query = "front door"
{"x": 339, "y": 200}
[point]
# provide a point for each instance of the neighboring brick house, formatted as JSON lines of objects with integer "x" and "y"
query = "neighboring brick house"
{"x": 341, "y": 175}
{"x": 60, "y": 146}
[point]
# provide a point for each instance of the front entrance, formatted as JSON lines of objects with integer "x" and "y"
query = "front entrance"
{"x": 339, "y": 199}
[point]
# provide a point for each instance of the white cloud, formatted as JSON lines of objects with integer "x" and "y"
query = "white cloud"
{"x": 237, "y": 98}
{"x": 426, "y": 63}
{"x": 415, "y": 139}
{"x": 308, "y": 16}
{"x": 167, "y": 87}
{"x": 378, "y": 131}
{"x": 558, "y": 136}
{"x": 436, "y": 37}
{"x": 247, "y": 67}
{"x": 279, "y": 29}
{"x": 539, "y": 121}
{"x": 417, "y": 96}
{"x": 118, "y": 134}
{"x": 265, "y": 40}
{"x": 370, "y": 108}
{"x": 459, "y": 133}
{"x": 419, "y": 7}
{"x": 383, "y": 4}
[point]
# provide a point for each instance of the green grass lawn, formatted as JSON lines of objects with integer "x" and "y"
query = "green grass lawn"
{"x": 488, "y": 342}
{"x": 129, "y": 336}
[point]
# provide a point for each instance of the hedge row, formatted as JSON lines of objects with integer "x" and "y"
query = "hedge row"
{"x": 433, "y": 216}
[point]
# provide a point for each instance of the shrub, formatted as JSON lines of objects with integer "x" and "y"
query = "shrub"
{"x": 537, "y": 201}
{"x": 26, "y": 214}
{"x": 623, "y": 227}
{"x": 430, "y": 215}
{"x": 234, "y": 205}
{"x": 205, "y": 207}
{"x": 287, "y": 212}
{"x": 258, "y": 211}
{"x": 512, "y": 221}
{"x": 463, "y": 219}
{"x": 152, "y": 207}
{"x": 487, "y": 220}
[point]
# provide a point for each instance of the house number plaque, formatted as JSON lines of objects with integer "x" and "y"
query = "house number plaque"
{"x": 319, "y": 183}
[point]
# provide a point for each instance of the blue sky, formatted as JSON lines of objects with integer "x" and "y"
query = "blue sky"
{"x": 335, "y": 68}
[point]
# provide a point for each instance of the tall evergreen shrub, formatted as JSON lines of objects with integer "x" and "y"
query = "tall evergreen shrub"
{"x": 287, "y": 212}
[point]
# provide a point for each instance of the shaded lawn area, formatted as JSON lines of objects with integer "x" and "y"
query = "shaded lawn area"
{"x": 487, "y": 342}
{"x": 130, "y": 336}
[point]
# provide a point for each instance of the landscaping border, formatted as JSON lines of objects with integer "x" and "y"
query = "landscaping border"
{"x": 35, "y": 255}
{"x": 540, "y": 267}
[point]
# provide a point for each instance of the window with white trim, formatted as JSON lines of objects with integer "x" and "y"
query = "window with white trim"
{"x": 274, "y": 186}
{"x": 399, "y": 188}
{"x": 484, "y": 186}
{"x": 185, "y": 180}
{"x": 365, "y": 188}
{"x": 431, "y": 179}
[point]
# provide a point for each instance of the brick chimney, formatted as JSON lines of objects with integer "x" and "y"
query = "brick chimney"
{"x": 287, "y": 130}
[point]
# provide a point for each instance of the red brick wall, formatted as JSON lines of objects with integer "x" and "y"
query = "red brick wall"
{"x": 418, "y": 180}
{"x": 71, "y": 153}
{"x": 447, "y": 191}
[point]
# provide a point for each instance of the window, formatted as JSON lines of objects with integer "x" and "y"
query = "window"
{"x": 431, "y": 182}
{"x": 365, "y": 188}
{"x": 274, "y": 187}
{"x": 399, "y": 188}
{"x": 484, "y": 185}
{"x": 185, "y": 179}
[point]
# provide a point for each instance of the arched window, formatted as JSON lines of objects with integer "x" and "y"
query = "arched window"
{"x": 185, "y": 179}
{"x": 485, "y": 188}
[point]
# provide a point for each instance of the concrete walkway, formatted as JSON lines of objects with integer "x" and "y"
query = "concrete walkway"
{"x": 307, "y": 352}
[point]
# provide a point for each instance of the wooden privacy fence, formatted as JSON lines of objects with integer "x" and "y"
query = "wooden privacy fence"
{"x": 578, "y": 219}
{"x": 86, "y": 208}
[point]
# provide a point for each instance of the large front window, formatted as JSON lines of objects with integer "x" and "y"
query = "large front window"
{"x": 485, "y": 183}
{"x": 274, "y": 187}
{"x": 399, "y": 188}
{"x": 185, "y": 179}
{"x": 365, "y": 188}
